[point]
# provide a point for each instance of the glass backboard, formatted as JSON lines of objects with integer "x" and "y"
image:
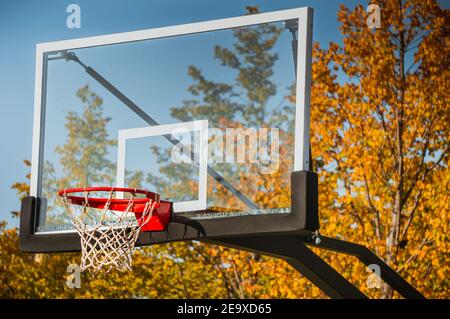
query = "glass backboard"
{"x": 209, "y": 115}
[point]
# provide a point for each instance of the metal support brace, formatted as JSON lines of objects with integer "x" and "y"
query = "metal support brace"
{"x": 367, "y": 257}
{"x": 301, "y": 258}
{"x": 293, "y": 249}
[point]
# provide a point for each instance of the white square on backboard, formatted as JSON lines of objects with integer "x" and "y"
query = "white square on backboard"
{"x": 169, "y": 129}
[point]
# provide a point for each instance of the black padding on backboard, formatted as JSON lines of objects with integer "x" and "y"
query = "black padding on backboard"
{"x": 302, "y": 220}
{"x": 304, "y": 198}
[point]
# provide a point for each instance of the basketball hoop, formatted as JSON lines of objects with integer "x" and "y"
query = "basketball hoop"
{"x": 109, "y": 226}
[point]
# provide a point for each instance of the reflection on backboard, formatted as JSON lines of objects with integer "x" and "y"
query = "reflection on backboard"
{"x": 210, "y": 115}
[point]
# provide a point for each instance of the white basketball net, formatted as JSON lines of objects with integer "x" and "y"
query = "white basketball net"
{"x": 107, "y": 237}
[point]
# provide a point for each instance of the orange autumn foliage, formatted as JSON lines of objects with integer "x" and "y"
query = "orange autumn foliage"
{"x": 380, "y": 143}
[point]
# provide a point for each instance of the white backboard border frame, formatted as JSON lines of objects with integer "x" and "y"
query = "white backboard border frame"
{"x": 304, "y": 51}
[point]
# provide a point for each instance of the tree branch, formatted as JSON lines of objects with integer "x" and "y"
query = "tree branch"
{"x": 411, "y": 215}
{"x": 414, "y": 256}
{"x": 386, "y": 132}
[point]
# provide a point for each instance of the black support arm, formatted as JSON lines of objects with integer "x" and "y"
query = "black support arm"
{"x": 367, "y": 257}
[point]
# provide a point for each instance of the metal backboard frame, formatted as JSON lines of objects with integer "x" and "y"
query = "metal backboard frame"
{"x": 294, "y": 221}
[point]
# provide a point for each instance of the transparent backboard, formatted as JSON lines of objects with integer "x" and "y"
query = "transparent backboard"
{"x": 209, "y": 120}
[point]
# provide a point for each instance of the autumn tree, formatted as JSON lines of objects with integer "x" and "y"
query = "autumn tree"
{"x": 380, "y": 139}
{"x": 380, "y": 114}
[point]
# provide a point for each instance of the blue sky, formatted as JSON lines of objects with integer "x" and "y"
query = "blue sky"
{"x": 25, "y": 23}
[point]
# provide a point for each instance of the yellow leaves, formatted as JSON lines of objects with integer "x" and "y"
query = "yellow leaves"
{"x": 355, "y": 133}
{"x": 354, "y": 137}
{"x": 23, "y": 188}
